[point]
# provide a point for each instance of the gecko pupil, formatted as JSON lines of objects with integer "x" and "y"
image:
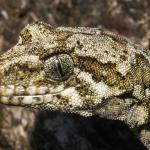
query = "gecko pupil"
{"x": 59, "y": 67}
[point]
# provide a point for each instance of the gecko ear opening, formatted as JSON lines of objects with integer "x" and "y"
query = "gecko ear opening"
{"x": 59, "y": 67}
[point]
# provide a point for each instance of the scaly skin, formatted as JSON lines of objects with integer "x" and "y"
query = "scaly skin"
{"x": 82, "y": 70}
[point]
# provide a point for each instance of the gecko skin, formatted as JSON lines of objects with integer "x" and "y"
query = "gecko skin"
{"x": 81, "y": 70}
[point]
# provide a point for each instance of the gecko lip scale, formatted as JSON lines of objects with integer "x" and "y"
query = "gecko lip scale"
{"x": 32, "y": 95}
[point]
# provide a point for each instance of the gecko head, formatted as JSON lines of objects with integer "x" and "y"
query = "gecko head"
{"x": 62, "y": 68}
{"x": 41, "y": 70}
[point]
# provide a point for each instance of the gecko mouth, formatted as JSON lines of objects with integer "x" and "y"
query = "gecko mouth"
{"x": 31, "y": 95}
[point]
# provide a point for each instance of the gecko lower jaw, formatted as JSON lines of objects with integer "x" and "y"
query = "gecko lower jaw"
{"x": 31, "y": 95}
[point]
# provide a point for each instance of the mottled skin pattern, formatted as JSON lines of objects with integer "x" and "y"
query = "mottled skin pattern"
{"x": 83, "y": 70}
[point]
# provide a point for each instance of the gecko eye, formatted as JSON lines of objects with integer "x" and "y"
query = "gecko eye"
{"x": 59, "y": 67}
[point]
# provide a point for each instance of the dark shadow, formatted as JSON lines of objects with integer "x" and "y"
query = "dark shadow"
{"x": 4, "y": 145}
{"x": 61, "y": 131}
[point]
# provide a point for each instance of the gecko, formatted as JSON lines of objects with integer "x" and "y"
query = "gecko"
{"x": 79, "y": 70}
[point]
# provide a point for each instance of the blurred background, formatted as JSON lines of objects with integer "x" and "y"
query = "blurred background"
{"x": 127, "y": 17}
